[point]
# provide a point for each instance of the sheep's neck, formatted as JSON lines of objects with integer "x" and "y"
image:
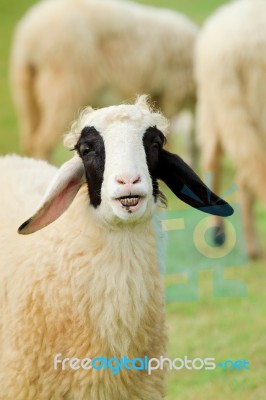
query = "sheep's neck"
{"x": 123, "y": 284}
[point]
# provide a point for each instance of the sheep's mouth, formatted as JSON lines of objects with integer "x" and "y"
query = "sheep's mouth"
{"x": 129, "y": 201}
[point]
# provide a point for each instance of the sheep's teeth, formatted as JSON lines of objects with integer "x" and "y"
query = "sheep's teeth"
{"x": 129, "y": 201}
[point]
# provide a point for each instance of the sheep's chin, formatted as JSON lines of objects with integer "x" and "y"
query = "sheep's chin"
{"x": 130, "y": 213}
{"x": 112, "y": 213}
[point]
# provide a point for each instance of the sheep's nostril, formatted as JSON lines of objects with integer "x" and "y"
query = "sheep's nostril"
{"x": 120, "y": 181}
{"x": 128, "y": 180}
{"x": 137, "y": 180}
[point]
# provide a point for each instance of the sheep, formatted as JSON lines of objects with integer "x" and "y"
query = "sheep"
{"x": 88, "y": 285}
{"x": 230, "y": 71}
{"x": 68, "y": 53}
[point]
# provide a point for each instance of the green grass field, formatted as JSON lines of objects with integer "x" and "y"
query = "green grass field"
{"x": 220, "y": 327}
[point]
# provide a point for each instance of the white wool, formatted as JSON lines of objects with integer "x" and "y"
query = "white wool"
{"x": 92, "y": 291}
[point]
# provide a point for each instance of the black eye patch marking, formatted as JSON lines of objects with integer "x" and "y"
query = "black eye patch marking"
{"x": 90, "y": 148}
{"x": 153, "y": 142}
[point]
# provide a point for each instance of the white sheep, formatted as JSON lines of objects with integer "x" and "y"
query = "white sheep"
{"x": 231, "y": 71}
{"x": 70, "y": 53}
{"x": 88, "y": 285}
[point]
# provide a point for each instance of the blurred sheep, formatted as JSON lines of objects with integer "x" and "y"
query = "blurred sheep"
{"x": 69, "y": 53}
{"x": 231, "y": 75}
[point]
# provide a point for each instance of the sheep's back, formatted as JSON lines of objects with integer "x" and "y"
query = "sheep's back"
{"x": 119, "y": 48}
{"x": 231, "y": 61}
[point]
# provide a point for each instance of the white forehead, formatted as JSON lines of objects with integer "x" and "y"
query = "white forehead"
{"x": 132, "y": 116}
{"x": 129, "y": 119}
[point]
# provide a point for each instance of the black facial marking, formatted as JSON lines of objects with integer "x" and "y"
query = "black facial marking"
{"x": 90, "y": 148}
{"x": 153, "y": 141}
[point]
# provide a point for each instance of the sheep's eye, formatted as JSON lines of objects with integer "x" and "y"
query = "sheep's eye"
{"x": 155, "y": 145}
{"x": 85, "y": 149}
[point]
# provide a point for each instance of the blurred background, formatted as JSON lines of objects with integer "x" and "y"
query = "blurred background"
{"x": 229, "y": 325}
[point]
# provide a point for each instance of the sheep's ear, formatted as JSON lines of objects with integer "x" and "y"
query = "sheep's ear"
{"x": 58, "y": 196}
{"x": 188, "y": 187}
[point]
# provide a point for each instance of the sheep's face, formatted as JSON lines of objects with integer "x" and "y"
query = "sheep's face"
{"x": 120, "y": 151}
{"x": 120, "y": 155}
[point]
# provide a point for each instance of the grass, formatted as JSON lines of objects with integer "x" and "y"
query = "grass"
{"x": 220, "y": 327}
{"x": 224, "y": 328}
{"x": 195, "y": 9}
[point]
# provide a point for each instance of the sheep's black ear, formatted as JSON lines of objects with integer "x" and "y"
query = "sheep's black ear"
{"x": 188, "y": 187}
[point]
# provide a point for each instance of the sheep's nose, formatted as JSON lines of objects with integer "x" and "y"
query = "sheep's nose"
{"x": 128, "y": 179}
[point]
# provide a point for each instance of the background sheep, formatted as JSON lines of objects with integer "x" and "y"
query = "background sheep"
{"x": 231, "y": 73}
{"x": 88, "y": 285}
{"x": 69, "y": 53}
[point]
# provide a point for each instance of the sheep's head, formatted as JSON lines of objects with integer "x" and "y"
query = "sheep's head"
{"x": 120, "y": 155}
